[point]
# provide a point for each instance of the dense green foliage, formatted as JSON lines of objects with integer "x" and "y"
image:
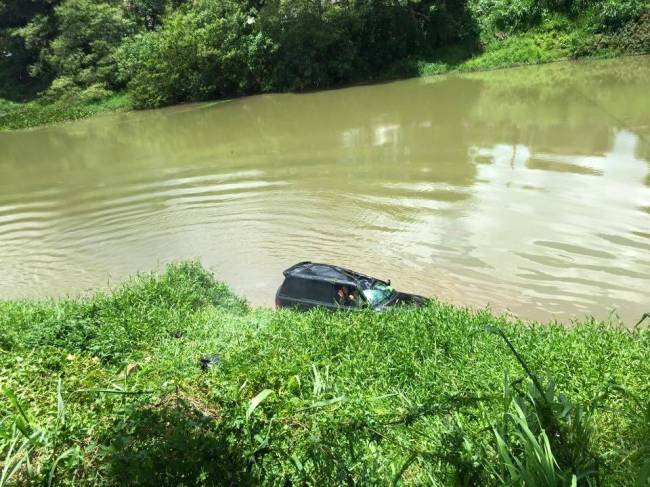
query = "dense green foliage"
{"x": 108, "y": 390}
{"x": 20, "y": 115}
{"x": 167, "y": 51}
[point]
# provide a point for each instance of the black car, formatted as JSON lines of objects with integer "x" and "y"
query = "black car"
{"x": 308, "y": 285}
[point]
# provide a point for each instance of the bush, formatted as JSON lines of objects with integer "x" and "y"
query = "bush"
{"x": 204, "y": 52}
{"x": 62, "y": 89}
{"x": 611, "y": 15}
{"x": 311, "y": 46}
{"x": 23, "y": 115}
{"x": 507, "y": 15}
{"x": 65, "y": 91}
{"x": 110, "y": 327}
{"x": 94, "y": 93}
{"x": 210, "y": 50}
{"x": 519, "y": 15}
{"x": 320, "y": 45}
{"x": 634, "y": 37}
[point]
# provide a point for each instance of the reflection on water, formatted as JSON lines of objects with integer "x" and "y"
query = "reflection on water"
{"x": 525, "y": 189}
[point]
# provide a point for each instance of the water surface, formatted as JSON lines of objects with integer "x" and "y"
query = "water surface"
{"x": 526, "y": 190}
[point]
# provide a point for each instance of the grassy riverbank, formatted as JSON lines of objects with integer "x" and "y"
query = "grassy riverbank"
{"x": 108, "y": 389}
{"x": 36, "y": 113}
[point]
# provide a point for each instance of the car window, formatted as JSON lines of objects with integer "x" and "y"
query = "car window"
{"x": 378, "y": 293}
{"x": 307, "y": 289}
{"x": 347, "y": 296}
{"x": 292, "y": 287}
{"x": 319, "y": 291}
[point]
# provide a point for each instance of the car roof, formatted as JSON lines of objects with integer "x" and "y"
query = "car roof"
{"x": 327, "y": 272}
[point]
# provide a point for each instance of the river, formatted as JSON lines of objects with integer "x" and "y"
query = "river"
{"x": 526, "y": 190}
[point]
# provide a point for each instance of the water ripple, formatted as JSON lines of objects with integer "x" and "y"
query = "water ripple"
{"x": 541, "y": 209}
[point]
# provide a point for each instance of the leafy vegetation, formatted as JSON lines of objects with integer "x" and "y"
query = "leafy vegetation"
{"x": 79, "y": 52}
{"x": 20, "y": 115}
{"x": 109, "y": 389}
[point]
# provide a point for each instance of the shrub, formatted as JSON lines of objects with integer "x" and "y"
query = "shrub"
{"x": 312, "y": 46}
{"x": 634, "y": 37}
{"x": 94, "y": 93}
{"x": 204, "y": 52}
{"x": 611, "y": 15}
{"x": 112, "y": 326}
{"x": 62, "y": 89}
{"x": 507, "y": 15}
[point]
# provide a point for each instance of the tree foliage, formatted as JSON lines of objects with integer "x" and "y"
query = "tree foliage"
{"x": 81, "y": 54}
{"x": 206, "y": 51}
{"x": 166, "y": 51}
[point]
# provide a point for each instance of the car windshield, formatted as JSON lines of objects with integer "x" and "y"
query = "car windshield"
{"x": 378, "y": 293}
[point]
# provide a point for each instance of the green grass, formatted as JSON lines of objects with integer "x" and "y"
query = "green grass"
{"x": 108, "y": 390}
{"x": 514, "y": 50}
{"x": 523, "y": 49}
{"x": 15, "y": 116}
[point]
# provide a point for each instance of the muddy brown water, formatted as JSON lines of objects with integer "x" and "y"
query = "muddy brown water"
{"x": 525, "y": 190}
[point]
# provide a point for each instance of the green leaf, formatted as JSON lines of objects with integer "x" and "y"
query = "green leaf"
{"x": 14, "y": 402}
{"x": 320, "y": 404}
{"x": 256, "y": 402}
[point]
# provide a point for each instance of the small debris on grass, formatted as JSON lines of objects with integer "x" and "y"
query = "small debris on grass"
{"x": 209, "y": 360}
{"x": 132, "y": 369}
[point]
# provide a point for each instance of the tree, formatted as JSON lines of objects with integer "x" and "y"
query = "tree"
{"x": 209, "y": 50}
{"x": 88, "y": 33}
{"x": 16, "y": 54}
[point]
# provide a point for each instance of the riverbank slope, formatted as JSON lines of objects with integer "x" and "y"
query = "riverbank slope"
{"x": 109, "y": 389}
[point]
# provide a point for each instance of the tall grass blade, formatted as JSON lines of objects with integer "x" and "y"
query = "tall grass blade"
{"x": 256, "y": 401}
{"x": 318, "y": 382}
{"x": 13, "y": 400}
{"x": 497, "y": 331}
{"x": 60, "y": 410}
{"x": 643, "y": 318}
{"x": 13, "y": 461}
{"x": 409, "y": 461}
{"x": 62, "y": 456}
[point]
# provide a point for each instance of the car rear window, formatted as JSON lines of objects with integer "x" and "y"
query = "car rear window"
{"x": 308, "y": 289}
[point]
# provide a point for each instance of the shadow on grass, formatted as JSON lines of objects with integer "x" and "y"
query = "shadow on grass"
{"x": 173, "y": 443}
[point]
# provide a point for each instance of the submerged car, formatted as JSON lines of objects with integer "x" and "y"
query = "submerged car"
{"x": 308, "y": 285}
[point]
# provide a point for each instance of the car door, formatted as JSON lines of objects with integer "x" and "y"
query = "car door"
{"x": 292, "y": 293}
{"x": 305, "y": 294}
{"x": 319, "y": 294}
